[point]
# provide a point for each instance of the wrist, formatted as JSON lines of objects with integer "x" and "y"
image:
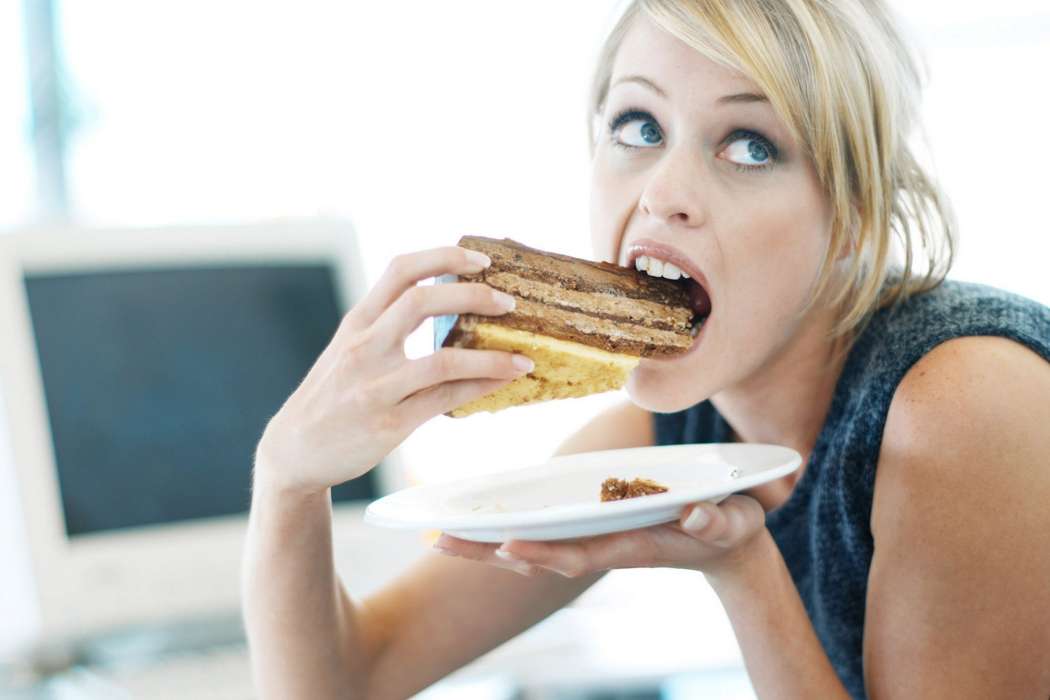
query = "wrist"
{"x": 266, "y": 487}
{"x": 270, "y": 481}
{"x": 746, "y": 564}
{"x": 288, "y": 510}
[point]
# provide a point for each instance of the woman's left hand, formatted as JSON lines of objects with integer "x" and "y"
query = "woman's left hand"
{"x": 706, "y": 537}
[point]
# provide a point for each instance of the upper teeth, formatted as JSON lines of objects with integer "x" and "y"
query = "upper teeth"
{"x": 658, "y": 268}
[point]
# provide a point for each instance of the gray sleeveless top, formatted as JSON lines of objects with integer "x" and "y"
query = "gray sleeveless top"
{"x": 823, "y": 528}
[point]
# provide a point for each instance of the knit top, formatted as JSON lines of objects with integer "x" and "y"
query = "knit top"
{"x": 823, "y": 528}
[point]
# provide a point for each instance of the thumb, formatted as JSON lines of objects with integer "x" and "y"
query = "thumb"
{"x": 736, "y": 519}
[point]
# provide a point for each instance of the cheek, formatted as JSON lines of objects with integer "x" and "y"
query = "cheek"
{"x": 785, "y": 235}
{"x": 771, "y": 266}
{"x": 611, "y": 205}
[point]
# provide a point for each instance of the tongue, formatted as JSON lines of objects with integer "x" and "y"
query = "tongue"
{"x": 698, "y": 297}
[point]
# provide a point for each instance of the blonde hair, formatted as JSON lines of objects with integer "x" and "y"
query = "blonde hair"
{"x": 841, "y": 77}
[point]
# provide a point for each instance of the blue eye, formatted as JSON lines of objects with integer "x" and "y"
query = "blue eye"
{"x": 635, "y": 129}
{"x": 749, "y": 150}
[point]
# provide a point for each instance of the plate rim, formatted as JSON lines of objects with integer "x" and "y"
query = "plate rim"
{"x": 376, "y": 512}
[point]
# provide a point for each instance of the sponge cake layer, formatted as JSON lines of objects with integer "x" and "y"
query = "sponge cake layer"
{"x": 564, "y": 369}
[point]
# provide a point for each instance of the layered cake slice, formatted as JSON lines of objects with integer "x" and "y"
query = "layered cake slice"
{"x": 584, "y": 324}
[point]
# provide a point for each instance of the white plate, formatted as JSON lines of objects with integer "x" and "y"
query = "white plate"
{"x": 560, "y": 499}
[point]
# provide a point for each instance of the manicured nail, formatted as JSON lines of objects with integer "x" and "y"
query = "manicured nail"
{"x": 478, "y": 259}
{"x": 696, "y": 520}
{"x": 523, "y": 363}
{"x": 505, "y": 301}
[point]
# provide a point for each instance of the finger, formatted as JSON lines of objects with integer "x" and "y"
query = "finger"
{"x": 421, "y": 407}
{"x": 734, "y": 520}
{"x": 448, "y": 365}
{"x": 417, "y": 304}
{"x": 576, "y": 558}
{"x": 744, "y": 516}
{"x": 447, "y": 544}
{"x": 480, "y": 551}
{"x": 406, "y": 270}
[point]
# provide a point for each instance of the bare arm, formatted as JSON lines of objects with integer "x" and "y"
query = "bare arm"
{"x": 317, "y": 642}
{"x": 783, "y": 655}
{"x": 448, "y": 611}
{"x": 958, "y": 605}
{"x": 360, "y": 400}
{"x": 958, "y": 600}
{"x": 303, "y": 643}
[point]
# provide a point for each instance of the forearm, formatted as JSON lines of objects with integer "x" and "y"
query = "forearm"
{"x": 301, "y": 628}
{"x": 783, "y": 655}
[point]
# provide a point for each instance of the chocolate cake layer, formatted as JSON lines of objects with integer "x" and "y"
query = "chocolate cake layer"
{"x": 602, "y": 305}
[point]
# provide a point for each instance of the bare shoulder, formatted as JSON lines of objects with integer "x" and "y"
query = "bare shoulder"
{"x": 966, "y": 432}
{"x": 968, "y": 421}
{"x": 959, "y": 520}
{"x": 969, "y": 397}
{"x": 619, "y": 426}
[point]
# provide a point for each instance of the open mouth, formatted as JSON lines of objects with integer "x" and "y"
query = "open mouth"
{"x": 701, "y": 303}
{"x": 670, "y": 264}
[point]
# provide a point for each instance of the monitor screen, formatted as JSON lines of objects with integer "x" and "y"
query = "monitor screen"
{"x": 159, "y": 383}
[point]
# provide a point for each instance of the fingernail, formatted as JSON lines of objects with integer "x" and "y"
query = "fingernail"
{"x": 479, "y": 259}
{"x": 523, "y": 363}
{"x": 696, "y": 520}
{"x": 505, "y": 301}
{"x": 507, "y": 556}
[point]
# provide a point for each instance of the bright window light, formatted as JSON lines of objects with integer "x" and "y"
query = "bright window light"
{"x": 16, "y": 165}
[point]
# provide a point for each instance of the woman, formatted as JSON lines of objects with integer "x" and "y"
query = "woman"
{"x": 762, "y": 146}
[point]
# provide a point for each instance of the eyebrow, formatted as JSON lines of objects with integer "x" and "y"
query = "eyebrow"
{"x": 641, "y": 81}
{"x": 742, "y": 97}
{"x": 736, "y": 98}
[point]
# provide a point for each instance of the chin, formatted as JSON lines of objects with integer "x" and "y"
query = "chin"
{"x": 660, "y": 392}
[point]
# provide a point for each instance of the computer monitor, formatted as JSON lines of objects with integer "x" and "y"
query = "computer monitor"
{"x": 139, "y": 370}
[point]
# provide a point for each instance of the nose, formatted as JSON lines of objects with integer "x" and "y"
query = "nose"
{"x": 672, "y": 193}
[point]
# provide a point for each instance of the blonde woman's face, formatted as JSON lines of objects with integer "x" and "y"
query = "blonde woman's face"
{"x": 692, "y": 161}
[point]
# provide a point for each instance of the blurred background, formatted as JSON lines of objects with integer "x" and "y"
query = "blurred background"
{"x": 399, "y": 126}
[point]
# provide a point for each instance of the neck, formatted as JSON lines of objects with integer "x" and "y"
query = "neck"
{"x": 787, "y": 400}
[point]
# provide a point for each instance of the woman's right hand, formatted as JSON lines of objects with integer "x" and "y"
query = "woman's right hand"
{"x": 363, "y": 396}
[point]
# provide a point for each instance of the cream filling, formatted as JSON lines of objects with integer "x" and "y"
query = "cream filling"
{"x": 589, "y": 325}
{"x": 635, "y": 310}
